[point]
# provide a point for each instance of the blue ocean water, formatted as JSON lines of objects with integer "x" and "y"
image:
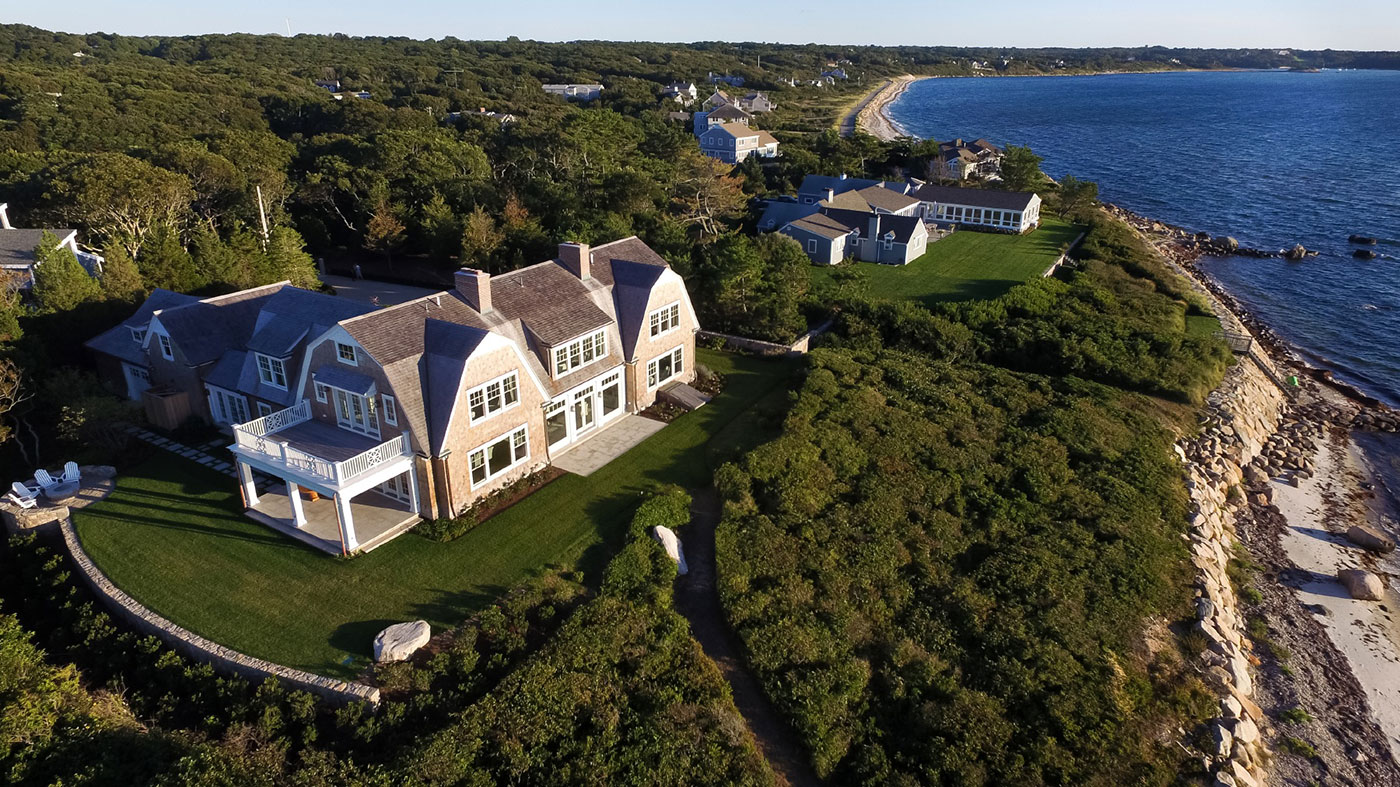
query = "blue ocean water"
{"x": 1271, "y": 158}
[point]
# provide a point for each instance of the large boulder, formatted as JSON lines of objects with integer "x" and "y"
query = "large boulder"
{"x": 1362, "y": 585}
{"x": 1368, "y": 537}
{"x": 672, "y": 545}
{"x": 401, "y": 640}
{"x": 1295, "y": 253}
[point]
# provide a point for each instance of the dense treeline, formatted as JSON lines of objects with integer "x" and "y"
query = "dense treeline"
{"x": 548, "y": 686}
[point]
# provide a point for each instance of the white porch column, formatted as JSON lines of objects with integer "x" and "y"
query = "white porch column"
{"x": 347, "y": 523}
{"x": 413, "y": 486}
{"x": 298, "y": 514}
{"x": 250, "y": 489}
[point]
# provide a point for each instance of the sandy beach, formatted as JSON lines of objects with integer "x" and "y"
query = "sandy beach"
{"x": 870, "y": 115}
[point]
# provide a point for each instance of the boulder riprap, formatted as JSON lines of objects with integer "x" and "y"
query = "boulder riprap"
{"x": 672, "y": 545}
{"x": 1362, "y": 585}
{"x": 401, "y": 640}
{"x": 1369, "y": 538}
{"x": 1295, "y": 253}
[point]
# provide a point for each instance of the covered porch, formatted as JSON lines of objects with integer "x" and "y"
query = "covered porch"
{"x": 376, "y": 519}
{"x": 350, "y": 492}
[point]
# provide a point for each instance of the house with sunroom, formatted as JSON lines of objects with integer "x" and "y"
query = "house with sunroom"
{"x": 986, "y": 209}
{"x": 367, "y": 420}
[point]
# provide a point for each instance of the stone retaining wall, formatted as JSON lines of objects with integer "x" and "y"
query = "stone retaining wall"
{"x": 760, "y": 347}
{"x": 1241, "y": 417}
{"x": 196, "y": 647}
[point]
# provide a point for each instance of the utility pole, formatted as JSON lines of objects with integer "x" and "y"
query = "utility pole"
{"x": 454, "y": 72}
{"x": 262, "y": 214}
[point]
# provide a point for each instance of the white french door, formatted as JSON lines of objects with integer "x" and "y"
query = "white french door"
{"x": 352, "y": 412}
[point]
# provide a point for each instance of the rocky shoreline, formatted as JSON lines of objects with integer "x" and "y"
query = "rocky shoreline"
{"x": 1296, "y": 700}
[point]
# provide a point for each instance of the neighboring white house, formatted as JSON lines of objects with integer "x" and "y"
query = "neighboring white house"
{"x": 683, "y": 92}
{"x": 1007, "y": 211}
{"x": 755, "y": 103}
{"x": 575, "y": 92}
{"x": 734, "y": 142}
{"x": 17, "y": 250}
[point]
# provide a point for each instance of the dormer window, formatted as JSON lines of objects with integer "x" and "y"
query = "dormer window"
{"x": 271, "y": 371}
{"x": 580, "y": 352}
{"x": 138, "y": 335}
{"x": 345, "y": 353}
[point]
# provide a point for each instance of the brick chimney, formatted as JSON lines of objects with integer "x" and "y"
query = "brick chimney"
{"x": 576, "y": 258}
{"x": 475, "y": 287}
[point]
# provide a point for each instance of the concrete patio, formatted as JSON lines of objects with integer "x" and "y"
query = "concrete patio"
{"x": 378, "y": 519}
{"x": 587, "y": 457}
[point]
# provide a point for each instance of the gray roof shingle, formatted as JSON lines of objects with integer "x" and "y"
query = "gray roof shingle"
{"x": 17, "y": 246}
{"x": 980, "y": 198}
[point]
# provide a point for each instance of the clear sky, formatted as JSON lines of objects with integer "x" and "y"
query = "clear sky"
{"x": 1303, "y": 24}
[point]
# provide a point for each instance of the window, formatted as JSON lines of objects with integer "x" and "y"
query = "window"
{"x": 228, "y": 408}
{"x": 811, "y": 246}
{"x": 272, "y": 371}
{"x": 321, "y": 392}
{"x": 166, "y": 350}
{"x": 138, "y": 335}
{"x": 391, "y": 410}
{"x": 498, "y": 456}
{"x": 579, "y": 352}
{"x": 664, "y": 319}
{"x": 663, "y": 368}
{"x": 490, "y": 398}
{"x": 264, "y": 409}
{"x": 355, "y": 413}
{"x": 345, "y": 353}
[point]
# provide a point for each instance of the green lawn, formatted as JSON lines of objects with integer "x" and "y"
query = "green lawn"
{"x": 173, "y": 536}
{"x": 967, "y": 265}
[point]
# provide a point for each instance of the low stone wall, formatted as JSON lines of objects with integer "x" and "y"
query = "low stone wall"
{"x": 196, "y": 647}
{"x": 768, "y": 349}
{"x": 1242, "y": 416}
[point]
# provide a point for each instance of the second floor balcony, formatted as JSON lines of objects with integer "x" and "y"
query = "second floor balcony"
{"x": 290, "y": 443}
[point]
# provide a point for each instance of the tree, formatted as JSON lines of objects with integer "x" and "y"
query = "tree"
{"x": 164, "y": 262}
{"x": 480, "y": 237}
{"x": 385, "y": 232}
{"x": 705, "y": 194}
{"x": 1020, "y": 169}
{"x": 286, "y": 259}
{"x": 119, "y": 198}
{"x": 120, "y": 279}
{"x": 1076, "y": 194}
{"x": 12, "y": 393}
{"x": 442, "y": 231}
{"x": 60, "y": 282}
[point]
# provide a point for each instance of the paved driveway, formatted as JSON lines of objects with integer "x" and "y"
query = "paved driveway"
{"x": 367, "y": 291}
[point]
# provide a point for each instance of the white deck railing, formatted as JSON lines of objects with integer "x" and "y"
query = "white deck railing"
{"x": 253, "y": 438}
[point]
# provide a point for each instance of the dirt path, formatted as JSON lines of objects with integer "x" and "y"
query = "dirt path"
{"x": 698, "y": 600}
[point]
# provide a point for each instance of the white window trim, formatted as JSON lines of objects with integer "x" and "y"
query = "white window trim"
{"x": 390, "y": 409}
{"x": 223, "y": 396}
{"x": 167, "y": 348}
{"x": 322, "y": 392}
{"x": 680, "y": 348}
{"x": 138, "y": 335}
{"x": 508, "y": 435}
{"x": 273, "y": 363}
{"x": 659, "y": 313}
{"x": 482, "y": 388}
{"x": 596, "y": 336}
{"x": 264, "y": 409}
{"x": 354, "y": 360}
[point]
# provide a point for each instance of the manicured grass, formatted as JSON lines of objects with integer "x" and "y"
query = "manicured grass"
{"x": 1202, "y": 325}
{"x": 173, "y": 536}
{"x": 967, "y": 265}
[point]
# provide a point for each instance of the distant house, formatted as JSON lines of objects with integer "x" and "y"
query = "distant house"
{"x": 726, "y": 113}
{"x": 17, "y": 247}
{"x": 832, "y": 235}
{"x": 959, "y": 160}
{"x": 822, "y": 188}
{"x": 726, "y": 79}
{"x": 360, "y": 94}
{"x": 575, "y": 92}
{"x": 778, "y": 213}
{"x": 500, "y": 117}
{"x": 875, "y": 199}
{"x": 755, "y": 103}
{"x": 835, "y": 73}
{"x": 332, "y": 85}
{"x": 1006, "y": 211}
{"x": 717, "y": 99}
{"x": 734, "y": 142}
{"x": 683, "y": 92}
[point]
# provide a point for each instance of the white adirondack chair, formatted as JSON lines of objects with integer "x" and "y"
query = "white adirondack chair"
{"x": 45, "y": 480}
{"x": 22, "y": 496}
{"x": 71, "y": 474}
